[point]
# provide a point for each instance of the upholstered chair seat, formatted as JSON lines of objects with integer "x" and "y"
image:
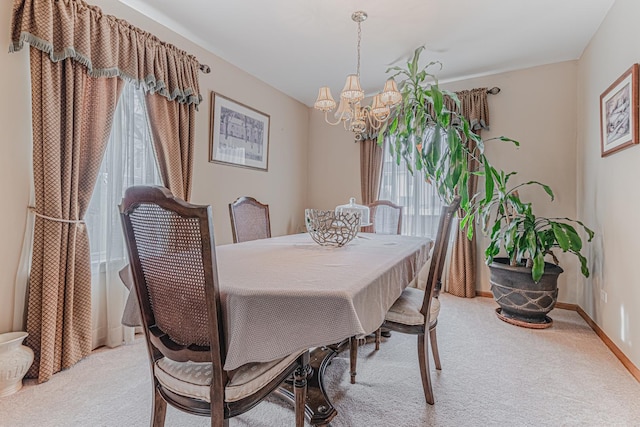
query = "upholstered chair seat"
{"x": 406, "y": 309}
{"x": 193, "y": 379}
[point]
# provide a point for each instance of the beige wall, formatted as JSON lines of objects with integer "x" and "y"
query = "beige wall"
{"x": 536, "y": 106}
{"x": 283, "y": 187}
{"x": 334, "y": 164}
{"x": 607, "y": 186}
{"x": 15, "y": 160}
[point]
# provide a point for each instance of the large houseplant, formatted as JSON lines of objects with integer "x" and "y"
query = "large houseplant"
{"x": 523, "y": 283}
{"x": 438, "y": 143}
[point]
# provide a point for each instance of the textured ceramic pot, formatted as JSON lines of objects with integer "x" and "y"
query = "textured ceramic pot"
{"x": 15, "y": 361}
{"x": 519, "y": 297}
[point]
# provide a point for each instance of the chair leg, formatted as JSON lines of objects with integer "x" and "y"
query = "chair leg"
{"x": 434, "y": 348}
{"x": 300, "y": 392}
{"x": 423, "y": 359}
{"x": 378, "y": 335}
{"x": 217, "y": 415}
{"x": 159, "y": 409}
{"x": 217, "y": 422}
{"x": 353, "y": 357}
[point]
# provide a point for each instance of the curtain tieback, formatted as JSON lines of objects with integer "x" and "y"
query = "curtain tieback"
{"x": 67, "y": 221}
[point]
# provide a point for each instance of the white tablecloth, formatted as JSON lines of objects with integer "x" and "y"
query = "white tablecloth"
{"x": 287, "y": 293}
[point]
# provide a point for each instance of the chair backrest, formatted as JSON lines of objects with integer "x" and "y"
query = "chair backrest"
{"x": 386, "y": 217}
{"x": 439, "y": 252}
{"x": 249, "y": 220}
{"x": 172, "y": 255}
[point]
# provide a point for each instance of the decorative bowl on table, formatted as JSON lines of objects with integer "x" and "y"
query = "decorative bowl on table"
{"x": 330, "y": 228}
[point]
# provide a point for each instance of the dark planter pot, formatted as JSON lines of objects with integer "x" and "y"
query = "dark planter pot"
{"x": 522, "y": 301}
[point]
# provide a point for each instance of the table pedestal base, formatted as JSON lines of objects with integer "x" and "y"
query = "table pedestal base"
{"x": 319, "y": 409}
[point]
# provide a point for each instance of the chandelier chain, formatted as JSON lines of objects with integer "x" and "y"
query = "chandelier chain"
{"x": 359, "y": 38}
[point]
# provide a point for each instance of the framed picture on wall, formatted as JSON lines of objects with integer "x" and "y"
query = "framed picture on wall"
{"x": 619, "y": 113}
{"x": 239, "y": 134}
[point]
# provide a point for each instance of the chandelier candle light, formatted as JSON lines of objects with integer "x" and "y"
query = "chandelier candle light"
{"x": 353, "y": 116}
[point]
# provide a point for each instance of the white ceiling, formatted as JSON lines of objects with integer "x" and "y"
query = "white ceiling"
{"x": 299, "y": 45}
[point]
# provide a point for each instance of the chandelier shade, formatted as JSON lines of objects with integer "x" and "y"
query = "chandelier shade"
{"x": 352, "y": 91}
{"x": 390, "y": 94}
{"x": 325, "y": 101}
{"x": 354, "y": 116}
{"x": 379, "y": 109}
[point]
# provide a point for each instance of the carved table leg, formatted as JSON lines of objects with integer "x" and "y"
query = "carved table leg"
{"x": 319, "y": 409}
{"x": 300, "y": 388}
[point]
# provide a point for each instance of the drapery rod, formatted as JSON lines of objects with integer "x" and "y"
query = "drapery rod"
{"x": 494, "y": 90}
{"x": 206, "y": 69}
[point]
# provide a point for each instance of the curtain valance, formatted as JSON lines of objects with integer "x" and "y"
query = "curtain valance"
{"x": 473, "y": 106}
{"x": 106, "y": 45}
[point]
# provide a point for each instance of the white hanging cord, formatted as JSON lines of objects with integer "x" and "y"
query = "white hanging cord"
{"x": 67, "y": 221}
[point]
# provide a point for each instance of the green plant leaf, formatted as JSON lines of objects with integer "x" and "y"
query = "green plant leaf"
{"x": 470, "y": 230}
{"x": 394, "y": 125}
{"x": 574, "y": 239}
{"x": 505, "y": 139}
{"x": 438, "y": 100}
{"x": 488, "y": 181}
{"x": 561, "y": 236}
{"x": 538, "y": 267}
{"x": 583, "y": 264}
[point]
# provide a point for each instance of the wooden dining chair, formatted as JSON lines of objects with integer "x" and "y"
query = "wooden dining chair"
{"x": 386, "y": 217}
{"x": 249, "y": 220}
{"x": 172, "y": 254}
{"x": 416, "y": 311}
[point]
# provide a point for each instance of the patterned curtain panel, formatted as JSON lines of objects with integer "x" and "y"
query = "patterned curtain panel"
{"x": 370, "y": 172}
{"x": 70, "y": 131}
{"x": 462, "y": 271}
{"x": 173, "y": 129}
{"x": 73, "y": 43}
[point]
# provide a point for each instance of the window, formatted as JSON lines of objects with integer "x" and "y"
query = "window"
{"x": 419, "y": 198}
{"x": 129, "y": 160}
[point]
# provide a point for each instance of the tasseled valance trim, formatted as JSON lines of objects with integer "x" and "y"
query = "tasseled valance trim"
{"x": 106, "y": 46}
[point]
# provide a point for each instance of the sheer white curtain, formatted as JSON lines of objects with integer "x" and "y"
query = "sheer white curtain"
{"x": 419, "y": 198}
{"x": 129, "y": 160}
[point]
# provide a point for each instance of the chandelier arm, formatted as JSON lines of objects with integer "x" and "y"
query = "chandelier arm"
{"x": 374, "y": 122}
{"x": 326, "y": 119}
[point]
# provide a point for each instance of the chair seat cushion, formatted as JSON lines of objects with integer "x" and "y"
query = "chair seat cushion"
{"x": 193, "y": 379}
{"x": 406, "y": 309}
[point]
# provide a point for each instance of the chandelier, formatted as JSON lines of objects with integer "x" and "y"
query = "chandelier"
{"x": 350, "y": 113}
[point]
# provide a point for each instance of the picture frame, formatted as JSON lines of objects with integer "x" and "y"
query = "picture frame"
{"x": 619, "y": 113}
{"x": 239, "y": 134}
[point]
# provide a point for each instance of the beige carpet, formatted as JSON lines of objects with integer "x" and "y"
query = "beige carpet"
{"x": 493, "y": 374}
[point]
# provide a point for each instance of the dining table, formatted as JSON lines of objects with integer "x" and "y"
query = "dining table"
{"x": 283, "y": 294}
